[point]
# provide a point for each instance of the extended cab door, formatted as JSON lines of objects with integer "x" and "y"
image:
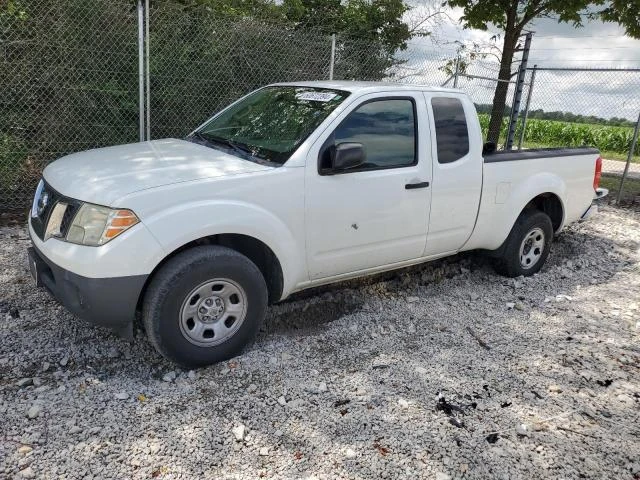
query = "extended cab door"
{"x": 377, "y": 213}
{"x": 457, "y": 171}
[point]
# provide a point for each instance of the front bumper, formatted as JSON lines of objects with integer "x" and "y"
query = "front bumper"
{"x": 109, "y": 302}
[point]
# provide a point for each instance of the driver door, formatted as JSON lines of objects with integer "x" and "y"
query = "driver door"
{"x": 377, "y": 213}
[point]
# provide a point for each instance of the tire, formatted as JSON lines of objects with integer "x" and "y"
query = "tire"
{"x": 522, "y": 252}
{"x": 204, "y": 306}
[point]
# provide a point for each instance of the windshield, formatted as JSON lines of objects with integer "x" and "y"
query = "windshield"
{"x": 271, "y": 123}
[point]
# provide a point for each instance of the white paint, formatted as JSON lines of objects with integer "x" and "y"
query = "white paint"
{"x": 456, "y": 186}
{"x": 104, "y": 175}
{"x": 360, "y": 220}
{"x": 182, "y": 191}
{"x": 502, "y": 192}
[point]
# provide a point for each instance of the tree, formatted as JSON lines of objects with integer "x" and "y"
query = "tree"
{"x": 513, "y": 17}
{"x": 369, "y": 33}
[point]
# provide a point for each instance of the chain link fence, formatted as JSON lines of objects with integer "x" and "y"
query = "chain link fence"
{"x": 200, "y": 62}
{"x": 609, "y": 104}
{"x": 70, "y": 80}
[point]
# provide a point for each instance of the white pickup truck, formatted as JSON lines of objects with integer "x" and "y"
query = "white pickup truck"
{"x": 292, "y": 186}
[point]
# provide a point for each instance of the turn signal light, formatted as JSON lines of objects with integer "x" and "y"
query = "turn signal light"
{"x": 122, "y": 220}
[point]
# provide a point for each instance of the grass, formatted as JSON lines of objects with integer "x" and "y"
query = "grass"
{"x": 613, "y": 142}
{"x": 630, "y": 190}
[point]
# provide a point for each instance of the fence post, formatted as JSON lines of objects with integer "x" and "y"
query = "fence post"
{"x": 147, "y": 13}
{"x": 517, "y": 94}
{"x": 525, "y": 115}
{"x": 141, "y": 70}
{"x": 333, "y": 55}
{"x": 456, "y": 73}
{"x": 632, "y": 150}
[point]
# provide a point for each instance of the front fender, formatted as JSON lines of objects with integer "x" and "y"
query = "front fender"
{"x": 184, "y": 223}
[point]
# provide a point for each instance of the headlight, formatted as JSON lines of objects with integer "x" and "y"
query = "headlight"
{"x": 95, "y": 225}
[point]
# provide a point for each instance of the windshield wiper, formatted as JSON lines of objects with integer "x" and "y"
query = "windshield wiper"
{"x": 235, "y": 146}
{"x": 201, "y": 137}
{"x": 245, "y": 151}
{"x": 238, "y": 147}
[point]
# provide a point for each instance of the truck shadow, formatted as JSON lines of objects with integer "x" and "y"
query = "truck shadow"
{"x": 308, "y": 317}
{"x": 307, "y": 311}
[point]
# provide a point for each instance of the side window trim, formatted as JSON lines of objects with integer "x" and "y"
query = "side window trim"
{"x": 329, "y": 138}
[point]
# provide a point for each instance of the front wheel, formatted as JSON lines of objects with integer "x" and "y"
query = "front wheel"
{"x": 204, "y": 305}
{"x": 527, "y": 247}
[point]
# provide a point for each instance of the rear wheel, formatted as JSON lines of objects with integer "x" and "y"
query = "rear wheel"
{"x": 204, "y": 305}
{"x": 527, "y": 247}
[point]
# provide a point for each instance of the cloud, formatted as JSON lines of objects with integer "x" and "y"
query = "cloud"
{"x": 597, "y": 46}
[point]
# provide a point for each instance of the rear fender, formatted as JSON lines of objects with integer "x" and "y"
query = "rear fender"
{"x": 495, "y": 221}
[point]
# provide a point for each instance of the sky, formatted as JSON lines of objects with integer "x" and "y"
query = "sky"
{"x": 596, "y": 45}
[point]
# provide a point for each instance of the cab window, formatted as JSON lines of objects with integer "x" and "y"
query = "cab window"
{"x": 386, "y": 128}
{"x": 452, "y": 136}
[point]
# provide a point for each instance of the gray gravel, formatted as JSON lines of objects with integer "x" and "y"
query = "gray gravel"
{"x": 441, "y": 371}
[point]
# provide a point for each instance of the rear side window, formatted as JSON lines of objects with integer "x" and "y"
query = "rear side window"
{"x": 452, "y": 136}
{"x": 386, "y": 129}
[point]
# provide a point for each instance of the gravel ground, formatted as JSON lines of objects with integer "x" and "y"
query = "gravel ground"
{"x": 440, "y": 371}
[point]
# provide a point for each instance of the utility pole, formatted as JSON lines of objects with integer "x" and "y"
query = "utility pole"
{"x": 517, "y": 94}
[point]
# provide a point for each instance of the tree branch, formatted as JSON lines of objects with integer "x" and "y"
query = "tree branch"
{"x": 419, "y": 25}
{"x": 537, "y": 7}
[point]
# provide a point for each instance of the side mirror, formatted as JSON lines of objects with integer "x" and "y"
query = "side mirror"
{"x": 489, "y": 148}
{"x": 347, "y": 155}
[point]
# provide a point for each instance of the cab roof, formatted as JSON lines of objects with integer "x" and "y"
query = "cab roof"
{"x": 361, "y": 87}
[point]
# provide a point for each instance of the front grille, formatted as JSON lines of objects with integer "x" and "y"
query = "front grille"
{"x": 69, "y": 214}
{"x": 44, "y": 203}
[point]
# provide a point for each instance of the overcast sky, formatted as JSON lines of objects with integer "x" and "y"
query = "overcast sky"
{"x": 596, "y": 45}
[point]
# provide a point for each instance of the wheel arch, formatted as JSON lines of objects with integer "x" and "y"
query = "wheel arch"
{"x": 501, "y": 207}
{"x": 551, "y": 204}
{"x": 547, "y": 202}
{"x": 254, "y": 249}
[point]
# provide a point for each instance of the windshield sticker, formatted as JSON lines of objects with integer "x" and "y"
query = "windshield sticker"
{"x": 316, "y": 96}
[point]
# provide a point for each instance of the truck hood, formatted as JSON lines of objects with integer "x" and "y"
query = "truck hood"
{"x": 104, "y": 175}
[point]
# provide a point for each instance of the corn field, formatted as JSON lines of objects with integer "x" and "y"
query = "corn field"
{"x": 554, "y": 133}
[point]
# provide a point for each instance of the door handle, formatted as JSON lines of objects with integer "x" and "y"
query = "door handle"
{"x": 411, "y": 186}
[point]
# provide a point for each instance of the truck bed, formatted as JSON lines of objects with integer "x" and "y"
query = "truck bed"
{"x": 509, "y": 183}
{"x": 536, "y": 153}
